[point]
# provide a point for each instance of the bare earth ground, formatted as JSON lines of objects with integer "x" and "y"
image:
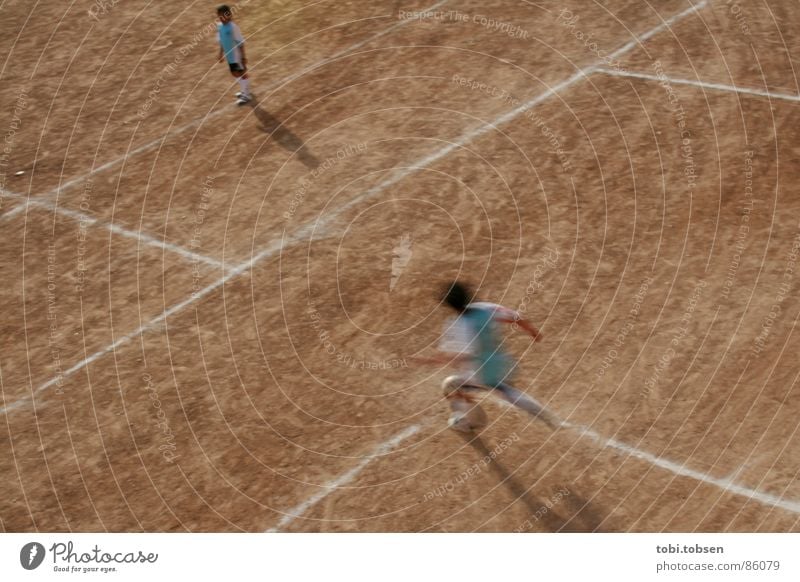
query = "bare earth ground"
{"x": 206, "y": 328}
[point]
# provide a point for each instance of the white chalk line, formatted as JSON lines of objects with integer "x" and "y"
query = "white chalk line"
{"x": 270, "y": 250}
{"x": 43, "y": 200}
{"x": 14, "y": 211}
{"x": 300, "y": 234}
{"x": 727, "y": 484}
{"x": 344, "y": 479}
{"x": 87, "y": 220}
{"x": 702, "y": 84}
{"x": 506, "y": 117}
{"x": 192, "y": 124}
{"x": 654, "y": 31}
{"x": 352, "y": 473}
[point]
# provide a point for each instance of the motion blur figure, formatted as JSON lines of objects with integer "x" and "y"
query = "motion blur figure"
{"x": 472, "y": 343}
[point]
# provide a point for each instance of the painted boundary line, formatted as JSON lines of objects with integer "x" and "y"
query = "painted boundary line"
{"x": 331, "y": 486}
{"x": 506, "y": 117}
{"x": 152, "y": 324}
{"x": 271, "y": 249}
{"x": 142, "y": 237}
{"x": 300, "y": 234}
{"x": 310, "y": 226}
{"x": 703, "y": 85}
{"x": 43, "y": 200}
{"x": 192, "y": 124}
{"x": 727, "y": 485}
{"x": 17, "y": 209}
{"x": 347, "y": 477}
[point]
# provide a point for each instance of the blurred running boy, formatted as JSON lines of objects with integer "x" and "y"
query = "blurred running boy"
{"x": 472, "y": 342}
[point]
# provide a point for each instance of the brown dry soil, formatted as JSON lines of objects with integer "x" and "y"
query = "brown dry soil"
{"x": 146, "y": 389}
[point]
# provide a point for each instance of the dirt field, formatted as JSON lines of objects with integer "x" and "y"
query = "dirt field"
{"x": 211, "y": 313}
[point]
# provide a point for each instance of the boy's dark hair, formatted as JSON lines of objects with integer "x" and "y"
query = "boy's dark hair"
{"x": 457, "y": 295}
{"x": 224, "y": 9}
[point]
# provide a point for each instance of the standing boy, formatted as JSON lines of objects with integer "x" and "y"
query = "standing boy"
{"x": 472, "y": 343}
{"x": 231, "y": 48}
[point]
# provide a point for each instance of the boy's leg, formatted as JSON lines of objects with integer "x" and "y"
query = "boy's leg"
{"x": 244, "y": 84}
{"x": 528, "y": 404}
{"x": 240, "y": 72}
{"x": 467, "y": 414}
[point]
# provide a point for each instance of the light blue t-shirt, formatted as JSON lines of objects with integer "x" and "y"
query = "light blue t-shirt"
{"x": 475, "y": 333}
{"x": 230, "y": 39}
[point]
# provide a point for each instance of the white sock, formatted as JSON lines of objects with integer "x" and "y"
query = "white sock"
{"x": 244, "y": 84}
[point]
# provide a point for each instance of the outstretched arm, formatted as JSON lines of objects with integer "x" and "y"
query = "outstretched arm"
{"x": 506, "y": 315}
{"x": 529, "y": 328}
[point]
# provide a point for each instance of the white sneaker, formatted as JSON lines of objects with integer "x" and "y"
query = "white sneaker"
{"x": 242, "y": 99}
{"x": 460, "y": 423}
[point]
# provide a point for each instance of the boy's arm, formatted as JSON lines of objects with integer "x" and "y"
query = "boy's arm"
{"x": 506, "y": 315}
{"x": 529, "y": 328}
{"x": 240, "y": 42}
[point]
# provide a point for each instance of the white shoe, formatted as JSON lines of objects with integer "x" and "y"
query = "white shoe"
{"x": 472, "y": 420}
{"x": 460, "y": 423}
{"x": 242, "y": 99}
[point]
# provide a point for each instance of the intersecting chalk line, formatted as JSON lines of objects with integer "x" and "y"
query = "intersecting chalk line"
{"x": 300, "y": 235}
{"x": 383, "y": 449}
{"x": 702, "y": 84}
{"x": 327, "y": 489}
{"x": 270, "y": 250}
{"x": 727, "y": 485}
{"x": 43, "y": 200}
{"x": 87, "y": 220}
{"x": 310, "y": 226}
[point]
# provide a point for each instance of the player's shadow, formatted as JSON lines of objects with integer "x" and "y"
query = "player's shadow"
{"x": 584, "y": 517}
{"x": 575, "y": 514}
{"x": 281, "y": 135}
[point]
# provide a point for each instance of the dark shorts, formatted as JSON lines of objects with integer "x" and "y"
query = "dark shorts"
{"x": 236, "y": 67}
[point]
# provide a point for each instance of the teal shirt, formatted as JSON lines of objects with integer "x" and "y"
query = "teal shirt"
{"x": 492, "y": 364}
{"x": 230, "y": 38}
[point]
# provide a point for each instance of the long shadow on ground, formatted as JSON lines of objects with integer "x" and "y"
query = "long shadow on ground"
{"x": 572, "y": 514}
{"x": 283, "y": 136}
